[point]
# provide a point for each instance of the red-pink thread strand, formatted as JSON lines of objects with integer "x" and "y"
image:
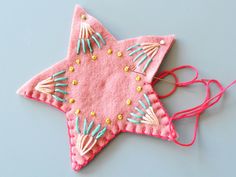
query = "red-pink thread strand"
{"x": 197, "y": 110}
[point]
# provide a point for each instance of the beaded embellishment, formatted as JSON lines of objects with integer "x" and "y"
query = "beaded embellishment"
{"x": 144, "y": 115}
{"x": 87, "y": 37}
{"x": 88, "y": 137}
{"x": 54, "y": 85}
{"x": 145, "y": 53}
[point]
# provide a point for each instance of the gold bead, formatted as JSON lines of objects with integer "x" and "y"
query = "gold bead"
{"x": 94, "y": 57}
{"x": 120, "y": 117}
{"x": 109, "y": 51}
{"x": 71, "y": 100}
{"x": 77, "y": 61}
{"x": 119, "y": 54}
{"x": 74, "y": 82}
{"x": 83, "y": 17}
{"x": 108, "y": 121}
{"x": 138, "y": 78}
{"x": 77, "y": 111}
{"x": 71, "y": 69}
{"x": 139, "y": 89}
{"x": 128, "y": 102}
{"x": 126, "y": 69}
{"x": 92, "y": 113}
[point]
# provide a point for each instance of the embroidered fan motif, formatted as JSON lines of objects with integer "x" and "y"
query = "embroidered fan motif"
{"x": 86, "y": 140}
{"x": 147, "y": 116}
{"x": 53, "y": 85}
{"x": 86, "y": 36}
{"x": 146, "y": 51}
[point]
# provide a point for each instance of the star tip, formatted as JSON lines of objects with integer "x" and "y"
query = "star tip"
{"x": 173, "y": 37}
{"x": 78, "y": 8}
{"x": 20, "y": 91}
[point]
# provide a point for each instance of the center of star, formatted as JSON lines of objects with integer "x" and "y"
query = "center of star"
{"x": 105, "y": 84}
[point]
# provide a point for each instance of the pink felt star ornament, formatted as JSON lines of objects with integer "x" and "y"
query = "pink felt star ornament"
{"x": 103, "y": 87}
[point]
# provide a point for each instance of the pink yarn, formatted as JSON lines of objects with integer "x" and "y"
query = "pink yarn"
{"x": 197, "y": 110}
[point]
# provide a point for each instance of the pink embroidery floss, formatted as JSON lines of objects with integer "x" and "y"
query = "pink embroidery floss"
{"x": 197, "y": 110}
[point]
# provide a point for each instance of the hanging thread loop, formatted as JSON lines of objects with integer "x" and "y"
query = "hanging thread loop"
{"x": 196, "y": 111}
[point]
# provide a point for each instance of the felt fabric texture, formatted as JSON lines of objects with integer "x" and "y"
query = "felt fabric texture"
{"x": 104, "y": 87}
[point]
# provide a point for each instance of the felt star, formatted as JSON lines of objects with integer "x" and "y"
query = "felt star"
{"x": 104, "y": 87}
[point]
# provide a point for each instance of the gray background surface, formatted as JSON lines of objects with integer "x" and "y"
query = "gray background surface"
{"x": 34, "y": 35}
